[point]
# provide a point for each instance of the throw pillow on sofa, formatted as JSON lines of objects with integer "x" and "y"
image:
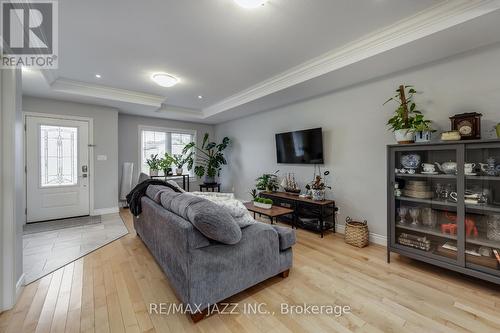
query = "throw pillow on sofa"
{"x": 212, "y": 221}
{"x": 154, "y": 192}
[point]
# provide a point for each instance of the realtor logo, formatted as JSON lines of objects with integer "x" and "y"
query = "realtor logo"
{"x": 29, "y": 34}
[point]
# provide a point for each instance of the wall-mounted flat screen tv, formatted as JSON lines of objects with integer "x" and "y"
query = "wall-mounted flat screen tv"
{"x": 300, "y": 147}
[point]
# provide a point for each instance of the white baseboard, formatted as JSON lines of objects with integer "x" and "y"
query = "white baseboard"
{"x": 104, "y": 211}
{"x": 20, "y": 285}
{"x": 374, "y": 238}
{"x": 6, "y": 305}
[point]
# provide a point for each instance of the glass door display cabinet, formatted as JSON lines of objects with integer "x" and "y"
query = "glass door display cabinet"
{"x": 444, "y": 205}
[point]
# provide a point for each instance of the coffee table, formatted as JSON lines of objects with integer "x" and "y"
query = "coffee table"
{"x": 273, "y": 213}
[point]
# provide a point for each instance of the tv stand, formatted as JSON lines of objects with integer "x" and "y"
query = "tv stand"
{"x": 305, "y": 209}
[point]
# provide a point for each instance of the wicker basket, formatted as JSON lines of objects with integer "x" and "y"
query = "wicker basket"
{"x": 356, "y": 233}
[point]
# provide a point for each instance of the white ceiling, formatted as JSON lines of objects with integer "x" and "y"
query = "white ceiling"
{"x": 232, "y": 56}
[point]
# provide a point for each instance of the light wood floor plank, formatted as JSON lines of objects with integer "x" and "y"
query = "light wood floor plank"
{"x": 62, "y": 306}
{"x": 75, "y": 302}
{"x": 50, "y": 302}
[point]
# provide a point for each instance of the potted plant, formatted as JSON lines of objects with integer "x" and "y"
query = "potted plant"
{"x": 422, "y": 128}
{"x": 154, "y": 165}
{"x": 263, "y": 203}
{"x": 497, "y": 127}
{"x": 317, "y": 188}
{"x": 166, "y": 164}
{"x": 179, "y": 162}
{"x": 254, "y": 194}
{"x": 209, "y": 160}
{"x": 268, "y": 182}
{"x": 401, "y": 123}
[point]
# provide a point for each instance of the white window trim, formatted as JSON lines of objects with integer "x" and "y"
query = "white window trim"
{"x": 166, "y": 130}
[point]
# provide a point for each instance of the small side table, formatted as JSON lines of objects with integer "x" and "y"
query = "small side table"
{"x": 210, "y": 186}
{"x": 273, "y": 213}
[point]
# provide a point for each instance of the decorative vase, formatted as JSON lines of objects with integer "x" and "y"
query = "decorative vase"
{"x": 404, "y": 136}
{"x": 423, "y": 136}
{"x": 153, "y": 173}
{"x": 498, "y": 130}
{"x": 167, "y": 172}
{"x": 209, "y": 180}
{"x": 318, "y": 195}
{"x": 178, "y": 171}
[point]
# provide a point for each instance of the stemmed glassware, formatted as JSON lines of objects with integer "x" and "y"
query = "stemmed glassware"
{"x": 402, "y": 211}
{"x": 414, "y": 213}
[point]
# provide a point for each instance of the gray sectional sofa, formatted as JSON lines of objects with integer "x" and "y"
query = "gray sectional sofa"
{"x": 203, "y": 271}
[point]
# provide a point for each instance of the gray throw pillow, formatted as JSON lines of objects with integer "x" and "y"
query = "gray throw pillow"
{"x": 213, "y": 222}
{"x": 181, "y": 203}
{"x": 174, "y": 183}
{"x": 166, "y": 199}
{"x": 153, "y": 190}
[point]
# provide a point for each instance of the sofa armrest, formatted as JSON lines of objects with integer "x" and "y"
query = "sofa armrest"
{"x": 286, "y": 237}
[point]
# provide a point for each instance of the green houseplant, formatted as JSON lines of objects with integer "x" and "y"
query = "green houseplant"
{"x": 263, "y": 203}
{"x": 268, "y": 182}
{"x": 401, "y": 123}
{"x": 254, "y": 194}
{"x": 154, "y": 164}
{"x": 166, "y": 164}
{"x": 179, "y": 161}
{"x": 209, "y": 160}
{"x": 422, "y": 128}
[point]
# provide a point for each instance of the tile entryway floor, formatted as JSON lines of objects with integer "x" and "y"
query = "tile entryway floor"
{"x": 44, "y": 252}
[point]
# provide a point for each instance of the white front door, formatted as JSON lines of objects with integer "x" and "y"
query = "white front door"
{"x": 57, "y": 168}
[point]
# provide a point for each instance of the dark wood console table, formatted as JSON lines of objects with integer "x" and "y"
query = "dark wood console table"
{"x": 185, "y": 180}
{"x": 210, "y": 187}
{"x": 303, "y": 208}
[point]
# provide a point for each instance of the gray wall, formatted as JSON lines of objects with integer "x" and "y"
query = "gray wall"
{"x": 355, "y": 136}
{"x": 105, "y": 139}
{"x": 128, "y": 134}
{"x": 11, "y": 186}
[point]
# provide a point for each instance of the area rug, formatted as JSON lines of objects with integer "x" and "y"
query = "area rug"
{"x": 37, "y": 227}
{"x": 47, "y": 251}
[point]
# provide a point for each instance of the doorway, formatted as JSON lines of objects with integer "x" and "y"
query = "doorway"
{"x": 57, "y": 168}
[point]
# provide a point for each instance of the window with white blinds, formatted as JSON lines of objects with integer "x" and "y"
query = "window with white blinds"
{"x": 160, "y": 141}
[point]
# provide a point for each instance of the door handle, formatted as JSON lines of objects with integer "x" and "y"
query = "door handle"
{"x": 84, "y": 175}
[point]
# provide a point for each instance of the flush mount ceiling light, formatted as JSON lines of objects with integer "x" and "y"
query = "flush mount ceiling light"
{"x": 98, "y": 76}
{"x": 250, "y": 4}
{"x": 165, "y": 80}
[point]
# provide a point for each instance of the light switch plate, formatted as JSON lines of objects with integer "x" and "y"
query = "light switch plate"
{"x": 102, "y": 157}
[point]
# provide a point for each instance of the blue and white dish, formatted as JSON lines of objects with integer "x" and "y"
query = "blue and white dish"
{"x": 410, "y": 161}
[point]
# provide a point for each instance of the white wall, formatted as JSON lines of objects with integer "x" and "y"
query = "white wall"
{"x": 128, "y": 132}
{"x": 355, "y": 136}
{"x": 105, "y": 141}
{"x": 11, "y": 187}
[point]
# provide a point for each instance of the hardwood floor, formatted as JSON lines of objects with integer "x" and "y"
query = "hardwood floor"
{"x": 110, "y": 290}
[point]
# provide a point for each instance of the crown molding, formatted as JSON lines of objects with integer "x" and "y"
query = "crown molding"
{"x": 182, "y": 112}
{"x": 105, "y": 92}
{"x": 420, "y": 25}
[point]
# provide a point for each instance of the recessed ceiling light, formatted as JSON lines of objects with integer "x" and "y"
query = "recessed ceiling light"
{"x": 98, "y": 76}
{"x": 250, "y": 4}
{"x": 165, "y": 80}
{"x": 200, "y": 97}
